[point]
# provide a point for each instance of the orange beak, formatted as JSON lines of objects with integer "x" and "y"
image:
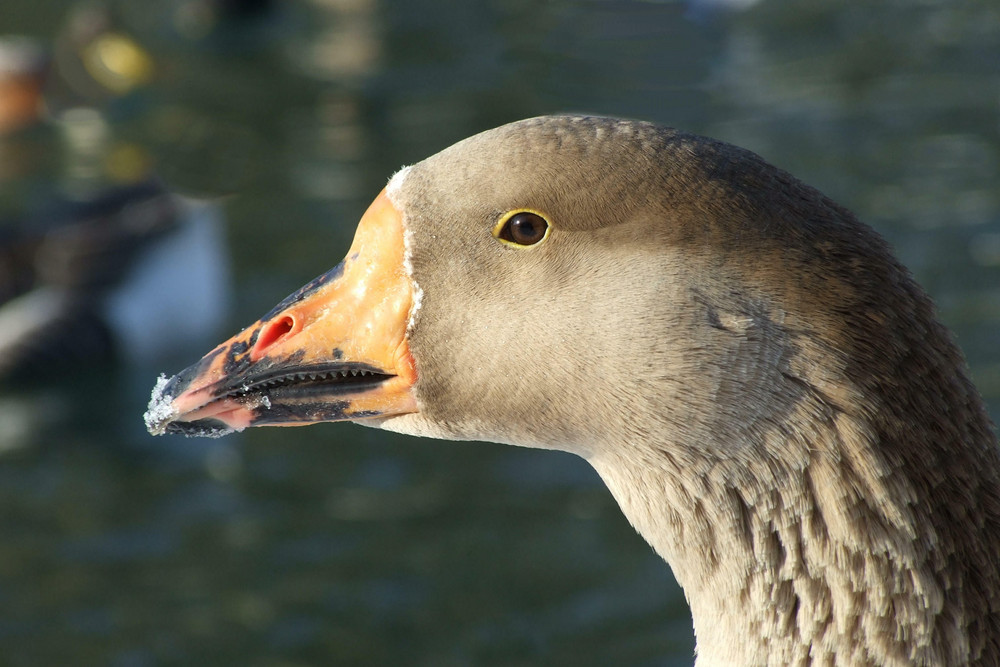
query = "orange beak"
{"x": 334, "y": 350}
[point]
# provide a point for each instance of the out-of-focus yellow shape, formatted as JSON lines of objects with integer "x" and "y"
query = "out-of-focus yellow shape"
{"x": 117, "y": 62}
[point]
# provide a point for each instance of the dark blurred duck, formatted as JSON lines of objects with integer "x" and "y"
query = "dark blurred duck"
{"x": 82, "y": 274}
{"x": 132, "y": 273}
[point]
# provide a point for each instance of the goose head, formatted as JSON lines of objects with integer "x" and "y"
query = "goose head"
{"x": 762, "y": 386}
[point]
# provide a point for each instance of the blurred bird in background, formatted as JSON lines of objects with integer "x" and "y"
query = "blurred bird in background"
{"x": 95, "y": 253}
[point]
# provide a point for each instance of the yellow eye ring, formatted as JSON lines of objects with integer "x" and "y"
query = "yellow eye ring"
{"x": 522, "y": 228}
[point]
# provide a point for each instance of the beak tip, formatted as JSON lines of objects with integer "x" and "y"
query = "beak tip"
{"x": 164, "y": 417}
{"x": 160, "y": 411}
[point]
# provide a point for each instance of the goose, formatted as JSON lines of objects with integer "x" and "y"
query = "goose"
{"x": 763, "y": 388}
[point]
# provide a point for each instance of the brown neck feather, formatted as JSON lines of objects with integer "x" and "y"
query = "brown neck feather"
{"x": 857, "y": 521}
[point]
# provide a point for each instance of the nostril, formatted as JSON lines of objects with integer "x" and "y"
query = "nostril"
{"x": 272, "y": 332}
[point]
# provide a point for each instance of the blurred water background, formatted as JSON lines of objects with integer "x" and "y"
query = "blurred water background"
{"x": 341, "y": 545}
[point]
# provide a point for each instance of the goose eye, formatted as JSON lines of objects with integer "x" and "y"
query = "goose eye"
{"x": 524, "y": 229}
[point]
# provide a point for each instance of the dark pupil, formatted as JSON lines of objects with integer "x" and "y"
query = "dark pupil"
{"x": 527, "y": 228}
